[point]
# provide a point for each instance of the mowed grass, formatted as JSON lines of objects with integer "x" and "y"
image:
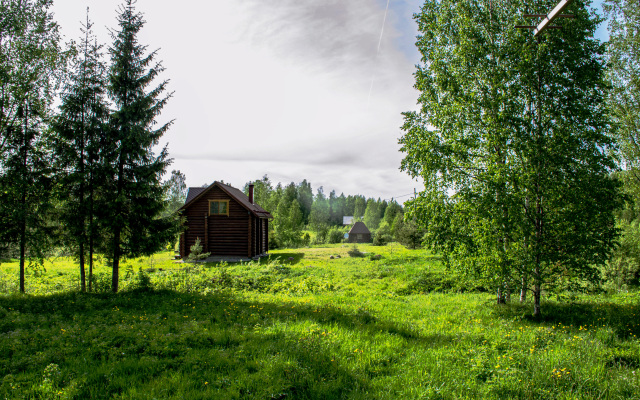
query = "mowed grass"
{"x": 301, "y": 325}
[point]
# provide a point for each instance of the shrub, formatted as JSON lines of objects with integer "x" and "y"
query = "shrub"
{"x": 196, "y": 253}
{"x": 355, "y": 252}
{"x": 382, "y": 240}
{"x": 143, "y": 281}
{"x": 335, "y": 235}
{"x": 410, "y": 235}
{"x": 321, "y": 236}
{"x": 306, "y": 239}
{"x": 623, "y": 269}
{"x": 429, "y": 281}
{"x": 273, "y": 241}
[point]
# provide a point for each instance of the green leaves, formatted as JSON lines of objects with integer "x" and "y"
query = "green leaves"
{"x": 511, "y": 141}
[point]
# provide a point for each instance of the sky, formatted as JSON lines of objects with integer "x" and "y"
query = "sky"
{"x": 292, "y": 89}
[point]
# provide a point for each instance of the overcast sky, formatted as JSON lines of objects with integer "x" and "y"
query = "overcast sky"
{"x": 294, "y": 89}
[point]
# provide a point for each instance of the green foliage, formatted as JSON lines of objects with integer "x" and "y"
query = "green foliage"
{"x": 79, "y": 139}
{"x": 336, "y": 235}
{"x": 355, "y": 252}
{"x": 390, "y": 213}
{"x": 372, "y": 215}
{"x": 428, "y": 282}
{"x": 135, "y": 225}
{"x": 623, "y": 57}
{"x": 383, "y": 235}
{"x": 30, "y": 60}
{"x": 320, "y": 213}
{"x": 623, "y": 268}
{"x": 410, "y": 234}
{"x": 196, "y": 253}
{"x": 175, "y": 192}
{"x": 512, "y": 143}
{"x": 313, "y": 327}
{"x": 294, "y": 208}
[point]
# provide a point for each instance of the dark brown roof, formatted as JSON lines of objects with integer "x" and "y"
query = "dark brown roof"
{"x": 359, "y": 227}
{"x": 193, "y": 193}
{"x": 196, "y": 193}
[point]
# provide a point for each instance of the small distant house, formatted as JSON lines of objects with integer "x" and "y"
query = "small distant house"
{"x": 347, "y": 221}
{"x": 228, "y": 222}
{"x": 359, "y": 233}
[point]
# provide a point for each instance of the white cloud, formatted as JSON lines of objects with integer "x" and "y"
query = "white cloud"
{"x": 279, "y": 87}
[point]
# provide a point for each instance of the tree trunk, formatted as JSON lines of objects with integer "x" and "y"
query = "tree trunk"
{"x": 90, "y": 263}
{"x": 499, "y": 296}
{"x": 23, "y": 200}
{"x": 83, "y": 283}
{"x": 116, "y": 260}
{"x": 83, "y": 211}
{"x": 536, "y": 300}
{"x": 523, "y": 289}
{"x": 118, "y": 229}
{"x": 23, "y": 245}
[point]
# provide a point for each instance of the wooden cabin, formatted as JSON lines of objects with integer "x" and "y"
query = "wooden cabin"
{"x": 227, "y": 222}
{"x": 359, "y": 233}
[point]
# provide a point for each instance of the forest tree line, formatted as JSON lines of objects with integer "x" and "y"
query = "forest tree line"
{"x": 297, "y": 208}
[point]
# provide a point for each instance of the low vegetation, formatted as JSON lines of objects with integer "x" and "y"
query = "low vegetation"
{"x": 310, "y": 323}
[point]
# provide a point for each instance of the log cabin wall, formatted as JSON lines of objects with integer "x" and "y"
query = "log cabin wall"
{"x": 242, "y": 233}
{"x": 226, "y": 234}
{"x": 259, "y": 241}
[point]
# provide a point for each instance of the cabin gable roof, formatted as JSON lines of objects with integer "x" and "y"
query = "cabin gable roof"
{"x": 359, "y": 227}
{"x": 196, "y": 193}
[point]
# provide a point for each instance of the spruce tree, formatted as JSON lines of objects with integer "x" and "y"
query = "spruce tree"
{"x": 80, "y": 140}
{"x": 135, "y": 226}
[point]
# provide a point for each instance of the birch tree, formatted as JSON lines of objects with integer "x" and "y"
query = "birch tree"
{"x": 511, "y": 143}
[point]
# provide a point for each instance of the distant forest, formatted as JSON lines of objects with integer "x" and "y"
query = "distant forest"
{"x": 297, "y": 209}
{"x": 302, "y": 218}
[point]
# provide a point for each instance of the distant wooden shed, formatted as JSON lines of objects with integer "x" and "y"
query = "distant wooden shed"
{"x": 228, "y": 222}
{"x": 359, "y": 233}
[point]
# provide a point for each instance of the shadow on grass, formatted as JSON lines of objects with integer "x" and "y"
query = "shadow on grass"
{"x": 75, "y": 304}
{"x": 621, "y": 318}
{"x": 195, "y": 335}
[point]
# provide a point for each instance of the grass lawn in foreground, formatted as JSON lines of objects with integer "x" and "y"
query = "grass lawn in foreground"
{"x": 301, "y": 325}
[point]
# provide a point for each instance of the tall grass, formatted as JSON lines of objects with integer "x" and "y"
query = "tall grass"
{"x": 303, "y": 325}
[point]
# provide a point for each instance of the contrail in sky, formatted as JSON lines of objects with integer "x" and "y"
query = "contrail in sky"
{"x": 384, "y": 20}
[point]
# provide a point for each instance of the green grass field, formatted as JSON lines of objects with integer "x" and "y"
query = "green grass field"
{"x": 301, "y": 325}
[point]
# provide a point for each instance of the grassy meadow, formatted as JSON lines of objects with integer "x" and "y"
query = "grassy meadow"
{"x": 310, "y": 323}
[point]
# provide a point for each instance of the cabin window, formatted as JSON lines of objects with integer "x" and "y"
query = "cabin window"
{"x": 359, "y": 236}
{"x": 218, "y": 207}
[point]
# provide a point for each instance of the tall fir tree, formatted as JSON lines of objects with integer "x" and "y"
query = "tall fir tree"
{"x": 135, "y": 226}
{"x": 80, "y": 140}
{"x": 305, "y": 198}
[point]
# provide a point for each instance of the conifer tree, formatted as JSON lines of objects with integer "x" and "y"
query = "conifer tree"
{"x": 30, "y": 59}
{"x": 135, "y": 226}
{"x": 80, "y": 140}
